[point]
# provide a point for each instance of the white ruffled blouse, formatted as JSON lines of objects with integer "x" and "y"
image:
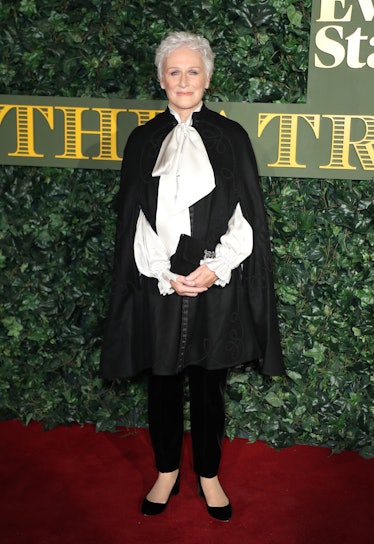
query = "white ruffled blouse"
{"x": 186, "y": 176}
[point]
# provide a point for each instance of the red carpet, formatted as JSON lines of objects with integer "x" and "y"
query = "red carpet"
{"x": 72, "y": 485}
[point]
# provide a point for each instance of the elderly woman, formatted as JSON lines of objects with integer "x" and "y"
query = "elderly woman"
{"x": 192, "y": 283}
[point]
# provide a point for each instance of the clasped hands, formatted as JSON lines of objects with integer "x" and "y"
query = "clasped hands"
{"x": 197, "y": 282}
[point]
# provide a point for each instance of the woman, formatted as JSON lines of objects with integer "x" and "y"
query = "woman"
{"x": 192, "y": 283}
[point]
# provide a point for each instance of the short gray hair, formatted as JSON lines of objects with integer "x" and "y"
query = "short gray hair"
{"x": 175, "y": 40}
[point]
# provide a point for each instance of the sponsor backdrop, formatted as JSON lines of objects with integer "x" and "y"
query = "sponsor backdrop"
{"x": 76, "y": 78}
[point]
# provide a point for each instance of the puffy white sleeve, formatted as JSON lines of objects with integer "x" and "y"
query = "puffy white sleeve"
{"x": 235, "y": 246}
{"x": 151, "y": 256}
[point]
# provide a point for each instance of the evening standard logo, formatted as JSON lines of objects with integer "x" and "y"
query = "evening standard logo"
{"x": 339, "y": 40}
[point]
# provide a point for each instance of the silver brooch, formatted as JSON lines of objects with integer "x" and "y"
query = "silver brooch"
{"x": 209, "y": 254}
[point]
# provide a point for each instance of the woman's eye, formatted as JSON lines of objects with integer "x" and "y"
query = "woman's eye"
{"x": 191, "y": 73}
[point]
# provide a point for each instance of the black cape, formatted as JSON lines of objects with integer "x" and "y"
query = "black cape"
{"x": 222, "y": 327}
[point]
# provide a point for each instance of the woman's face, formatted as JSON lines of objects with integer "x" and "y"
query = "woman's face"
{"x": 184, "y": 79}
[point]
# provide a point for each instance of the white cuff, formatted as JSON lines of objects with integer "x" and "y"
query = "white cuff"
{"x": 164, "y": 285}
{"x": 235, "y": 246}
{"x": 221, "y": 268}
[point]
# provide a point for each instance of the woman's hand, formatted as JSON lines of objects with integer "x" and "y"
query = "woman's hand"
{"x": 197, "y": 282}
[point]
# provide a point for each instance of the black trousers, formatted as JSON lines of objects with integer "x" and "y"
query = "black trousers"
{"x": 207, "y": 413}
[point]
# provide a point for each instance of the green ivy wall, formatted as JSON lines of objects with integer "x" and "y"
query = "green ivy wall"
{"x": 57, "y": 227}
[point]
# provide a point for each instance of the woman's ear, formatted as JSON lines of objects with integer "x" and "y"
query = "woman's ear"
{"x": 161, "y": 82}
{"x": 160, "y": 78}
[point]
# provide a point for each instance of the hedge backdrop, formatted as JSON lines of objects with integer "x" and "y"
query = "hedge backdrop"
{"x": 57, "y": 228}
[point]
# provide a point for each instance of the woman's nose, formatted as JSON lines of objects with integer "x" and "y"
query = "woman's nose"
{"x": 183, "y": 80}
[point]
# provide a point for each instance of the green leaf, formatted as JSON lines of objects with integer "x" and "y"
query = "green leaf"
{"x": 274, "y": 400}
{"x": 13, "y": 326}
{"x": 317, "y": 352}
{"x": 294, "y": 16}
{"x": 295, "y": 376}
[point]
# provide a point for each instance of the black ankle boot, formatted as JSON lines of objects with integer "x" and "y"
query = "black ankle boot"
{"x": 222, "y": 513}
{"x": 154, "y": 508}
